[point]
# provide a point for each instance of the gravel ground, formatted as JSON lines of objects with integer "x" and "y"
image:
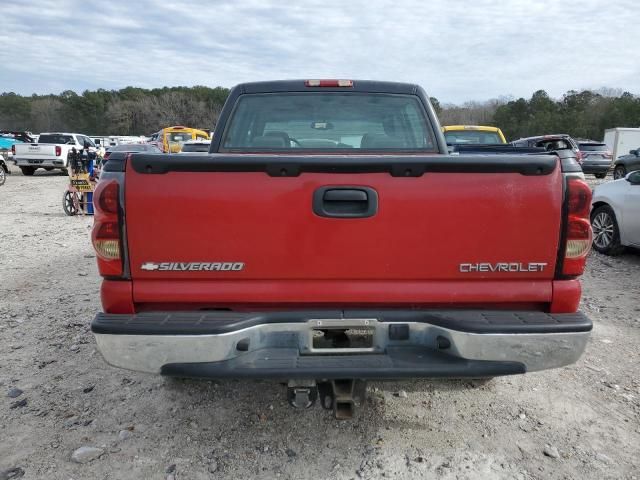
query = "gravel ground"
{"x": 582, "y": 421}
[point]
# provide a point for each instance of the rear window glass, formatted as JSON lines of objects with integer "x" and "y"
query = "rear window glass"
{"x": 55, "y": 138}
{"x": 472, "y": 137}
{"x": 181, "y": 137}
{"x": 328, "y": 121}
{"x": 593, "y": 147}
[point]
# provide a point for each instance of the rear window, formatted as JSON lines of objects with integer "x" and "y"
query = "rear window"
{"x": 593, "y": 147}
{"x": 51, "y": 138}
{"x": 328, "y": 121}
{"x": 180, "y": 137}
{"x": 195, "y": 147}
{"x": 472, "y": 137}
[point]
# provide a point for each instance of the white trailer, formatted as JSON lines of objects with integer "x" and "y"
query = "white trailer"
{"x": 105, "y": 141}
{"x": 113, "y": 140}
{"x": 621, "y": 140}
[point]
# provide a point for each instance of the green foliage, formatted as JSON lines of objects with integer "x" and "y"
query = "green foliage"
{"x": 129, "y": 111}
{"x": 18, "y": 107}
{"x": 585, "y": 114}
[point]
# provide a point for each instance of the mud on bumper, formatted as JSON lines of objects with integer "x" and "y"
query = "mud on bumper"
{"x": 444, "y": 343}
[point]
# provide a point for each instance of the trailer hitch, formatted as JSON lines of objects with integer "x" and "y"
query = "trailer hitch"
{"x": 342, "y": 396}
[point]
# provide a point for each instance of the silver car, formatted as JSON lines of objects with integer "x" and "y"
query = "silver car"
{"x": 615, "y": 215}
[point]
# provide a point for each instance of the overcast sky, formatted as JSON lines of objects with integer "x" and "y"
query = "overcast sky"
{"x": 457, "y": 50}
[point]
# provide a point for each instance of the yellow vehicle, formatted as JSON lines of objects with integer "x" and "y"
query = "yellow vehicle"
{"x": 171, "y": 139}
{"x": 473, "y": 135}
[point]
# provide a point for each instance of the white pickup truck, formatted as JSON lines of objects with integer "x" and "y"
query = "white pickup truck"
{"x": 50, "y": 152}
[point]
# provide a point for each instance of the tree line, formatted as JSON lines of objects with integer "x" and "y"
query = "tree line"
{"x": 582, "y": 114}
{"x": 129, "y": 111}
{"x": 139, "y": 111}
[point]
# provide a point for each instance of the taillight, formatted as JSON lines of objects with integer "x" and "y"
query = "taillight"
{"x": 58, "y": 150}
{"x": 328, "y": 83}
{"x": 578, "y": 232}
{"x": 578, "y": 198}
{"x": 13, "y": 149}
{"x": 106, "y": 237}
{"x": 107, "y": 241}
{"x": 607, "y": 155}
{"x": 109, "y": 198}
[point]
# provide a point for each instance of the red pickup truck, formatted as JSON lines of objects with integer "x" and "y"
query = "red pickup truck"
{"x": 329, "y": 238}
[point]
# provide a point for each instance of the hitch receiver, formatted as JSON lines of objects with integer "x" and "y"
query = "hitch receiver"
{"x": 342, "y": 396}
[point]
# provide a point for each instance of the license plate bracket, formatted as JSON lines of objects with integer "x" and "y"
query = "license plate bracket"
{"x": 334, "y": 336}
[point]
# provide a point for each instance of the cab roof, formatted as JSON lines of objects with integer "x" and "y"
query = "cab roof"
{"x": 371, "y": 86}
{"x": 180, "y": 128}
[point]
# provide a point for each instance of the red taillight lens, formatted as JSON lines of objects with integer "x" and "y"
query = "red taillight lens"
{"x": 328, "y": 83}
{"x": 58, "y": 150}
{"x": 579, "y": 157}
{"x": 608, "y": 155}
{"x": 108, "y": 200}
{"x": 106, "y": 235}
{"x": 13, "y": 149}
{"x": 579, "y": 201}
{"x": 578, "y": 229}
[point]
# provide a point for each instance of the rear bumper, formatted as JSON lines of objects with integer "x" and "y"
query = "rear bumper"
{"x": 58, "y": 162}
{"x": 596, "y": 167}
{"x": 279, "y": 344}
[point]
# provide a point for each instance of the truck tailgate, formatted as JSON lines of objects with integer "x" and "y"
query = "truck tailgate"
{"x": 35, "y": 151}
{"x": 442, "y": 237}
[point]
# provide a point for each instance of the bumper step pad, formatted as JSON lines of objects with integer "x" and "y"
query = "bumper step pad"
{"x": 287, "y": 363}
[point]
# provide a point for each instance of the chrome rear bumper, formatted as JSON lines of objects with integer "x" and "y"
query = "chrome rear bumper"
{"x": 415, "y": 344}
{"x": 39, "y": 163}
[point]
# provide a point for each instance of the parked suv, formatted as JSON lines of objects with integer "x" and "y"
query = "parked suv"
{"x": 596, "y": 158}
{"x": 626, "y": 163}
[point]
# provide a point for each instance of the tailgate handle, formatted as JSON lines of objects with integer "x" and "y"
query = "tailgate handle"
{"x": 345, "y": 202}
{"x": 346, "y": 195}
